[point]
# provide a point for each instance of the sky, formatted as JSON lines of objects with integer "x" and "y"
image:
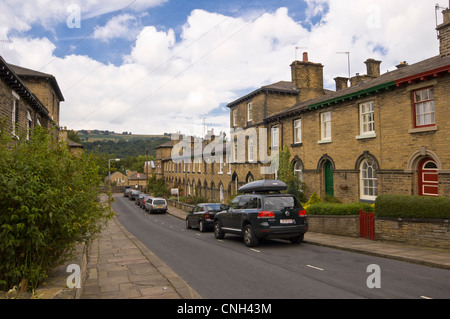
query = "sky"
{"x": 166, "y": 66}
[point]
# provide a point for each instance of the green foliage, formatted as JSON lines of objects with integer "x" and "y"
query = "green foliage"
{"x": 157, "y": 187}
{"x": 314, "y": 199}
{"x": 194, "y": 200}
{"x": 338, "y": 209}
{"x": 286, "y": 174}
{"x": 406, "y": 206}
{"x": 122, "y": 148}
{"x": 49, "y": 203}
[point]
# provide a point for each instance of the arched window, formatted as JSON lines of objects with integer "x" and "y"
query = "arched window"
{"x": 368, "y": 178}
{"x": 298, "y": 171}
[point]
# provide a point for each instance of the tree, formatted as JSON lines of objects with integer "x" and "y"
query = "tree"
{"x": 49, "y": 203}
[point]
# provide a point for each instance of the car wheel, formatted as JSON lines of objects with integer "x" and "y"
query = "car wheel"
{"x": 218, "y": 232}
{"x": 297, "y": 239}
{"x": 201, "y": 226}
{"x": 188, "y": 225}
{"x": 249, "y": 236}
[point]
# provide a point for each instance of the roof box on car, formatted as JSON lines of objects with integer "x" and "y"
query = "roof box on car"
{"x": 263, "y": 186}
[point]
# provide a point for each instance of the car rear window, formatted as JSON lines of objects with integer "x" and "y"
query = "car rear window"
{"x": 276, "y": 203}
{"x": 159, "y": 202}
{"x": 216, "y": 208}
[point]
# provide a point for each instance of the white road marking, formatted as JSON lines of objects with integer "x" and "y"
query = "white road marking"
{"x": 425, "y": 297}
{"x": 255, "y": 250}
{"x": 313, "y": 267}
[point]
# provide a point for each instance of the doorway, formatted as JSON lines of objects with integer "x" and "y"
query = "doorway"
{"x": 328, "y": 177}
{"x": 428, "y": 178}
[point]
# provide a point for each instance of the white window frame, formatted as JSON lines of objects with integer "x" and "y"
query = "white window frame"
{"x": 220, "y": 165}
{"x": 275, "y": 136}
{"x": 368, "y": 185}
{"x": 298, "y": 131}
{"x": 235, "y": 117}
{"x": 250, "y": 150}
{"x": 298, "y": 171}
{"x": 424, "y": 109}
{"x": 250, "y": 112}
{"x": 29, "y": 124}
{"x": 325, "y": 127}
{"x": 14, "y": 111}
{"x": 367, "y": 118}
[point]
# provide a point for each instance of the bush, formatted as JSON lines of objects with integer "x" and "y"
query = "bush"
{"x": 338, "y": 209}
{"x": 314, "y": 199}
{"x": 48, "y": 205}
{"x": 407, "y": 206}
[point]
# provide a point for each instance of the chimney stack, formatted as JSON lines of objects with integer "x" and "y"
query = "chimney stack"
{"x": 307, "y": 77}
{"x": 444, "y": 34}
{"x": 373, "y": 68}
{"x": 341, "y": 83}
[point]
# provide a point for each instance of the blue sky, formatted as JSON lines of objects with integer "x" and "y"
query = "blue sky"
{"x": 156, "y": 66}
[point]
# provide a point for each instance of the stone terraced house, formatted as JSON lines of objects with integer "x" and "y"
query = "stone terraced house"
{"x": 376, "y": 134}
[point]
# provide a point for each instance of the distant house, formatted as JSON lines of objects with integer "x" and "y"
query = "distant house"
{"x": 117, "y": 179}
{"x": 137, "y": 179}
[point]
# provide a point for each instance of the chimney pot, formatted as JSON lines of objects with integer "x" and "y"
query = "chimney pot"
{"x": 305, "y": 56}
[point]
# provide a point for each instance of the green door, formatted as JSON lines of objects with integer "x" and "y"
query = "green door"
{"x": 329, "y": 188}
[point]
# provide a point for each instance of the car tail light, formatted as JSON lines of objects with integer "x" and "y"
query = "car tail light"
{"x": 302, "y": 213}
{"x": 266, "y": 214}
{"x": 207, "y": 216}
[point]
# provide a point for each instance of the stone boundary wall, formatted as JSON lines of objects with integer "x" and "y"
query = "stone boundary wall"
{"x": 180, "y": 205}
{"x": 334, "y": 225}
{"x": 420, "y": 232}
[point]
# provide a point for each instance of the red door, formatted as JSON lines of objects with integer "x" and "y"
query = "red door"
{"x": 428, "y": 178}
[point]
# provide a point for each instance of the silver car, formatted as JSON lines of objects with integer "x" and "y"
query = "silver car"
{"x": 156, "y": 205}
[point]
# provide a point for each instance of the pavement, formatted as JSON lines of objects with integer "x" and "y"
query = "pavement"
{"x": 119, "y": 266}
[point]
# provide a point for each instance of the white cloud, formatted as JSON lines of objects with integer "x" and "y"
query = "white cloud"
{"x": 121, "y": 26}
{"x": 170, "y": 82}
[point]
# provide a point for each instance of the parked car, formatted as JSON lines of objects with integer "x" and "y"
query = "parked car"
{"x": 156, "y": 205}
{"x": 142, "y": 199}
{"x": 127, "y": 192}
{"x": 202, "y": 216}
{"x": 134, "y": 194}
{"x": 263, "y": 212}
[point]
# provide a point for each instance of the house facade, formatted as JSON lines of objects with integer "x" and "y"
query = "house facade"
{"x": 20, "y": 106}
{"x": 375, "y": 134}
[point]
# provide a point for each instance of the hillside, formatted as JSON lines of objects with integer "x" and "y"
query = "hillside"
{"x": 120, "y": 145}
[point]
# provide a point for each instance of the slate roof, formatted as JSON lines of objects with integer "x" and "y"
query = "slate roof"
{"x": 423, "y": 70}
{"x": 24, "y": 72}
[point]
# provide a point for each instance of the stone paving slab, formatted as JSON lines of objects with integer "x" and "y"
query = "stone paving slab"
{"x": 121, "y": 267}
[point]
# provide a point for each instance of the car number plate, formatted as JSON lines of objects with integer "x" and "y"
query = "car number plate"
{"x": 158, "y": 206}
{"x": 286, "y": 221}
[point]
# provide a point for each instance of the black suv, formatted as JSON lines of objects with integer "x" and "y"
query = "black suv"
{"x": 263, "y": 212}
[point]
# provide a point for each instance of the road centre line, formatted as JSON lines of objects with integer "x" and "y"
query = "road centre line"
{"x": 314, "y": 267}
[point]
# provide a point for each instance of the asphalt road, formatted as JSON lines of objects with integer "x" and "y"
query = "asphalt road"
{"x": 276, "y": 269}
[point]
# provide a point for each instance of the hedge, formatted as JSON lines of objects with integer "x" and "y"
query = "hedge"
{"x": 407, "y": 206}
{"x": 338, "y": 209}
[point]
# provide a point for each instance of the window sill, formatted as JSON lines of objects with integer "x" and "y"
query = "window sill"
{"x": 324, "y": 141}
{"x": 366, "y": 136}
{"x": 423, "y": 129}
{"x": 296, "y": 144}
